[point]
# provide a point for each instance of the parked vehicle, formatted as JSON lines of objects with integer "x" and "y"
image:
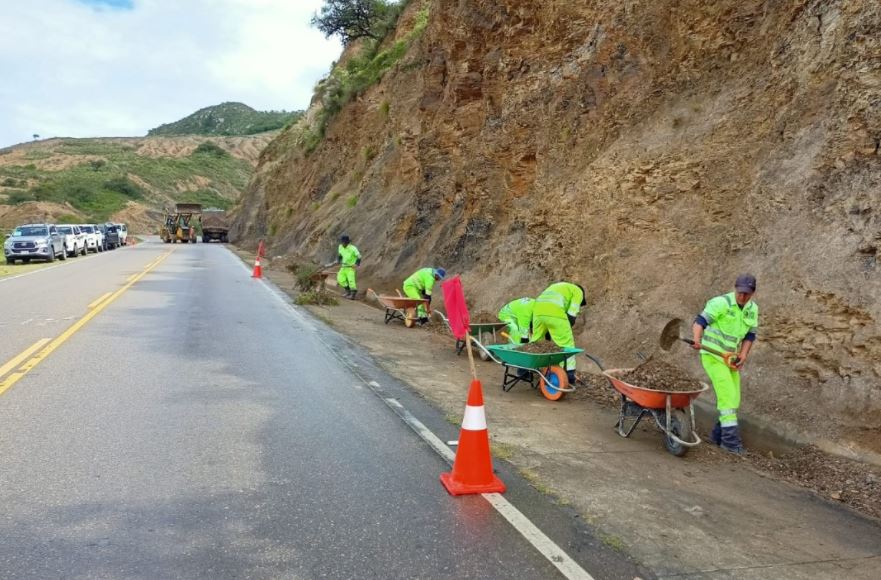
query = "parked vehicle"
{"x": 123, "y": 234}
{"x": 111, "y": 235}
{"x": 74, "y": 240}
{"x": 99, "y": 233}
{"x": 214, "y": 225}
{"x": 34, "y": 242}
{"x": 92, "y": 238}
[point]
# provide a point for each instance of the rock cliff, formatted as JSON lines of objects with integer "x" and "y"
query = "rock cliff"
{"x": 649, "y": 149}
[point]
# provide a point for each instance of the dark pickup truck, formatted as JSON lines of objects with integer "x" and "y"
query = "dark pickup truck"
{"x": 111, "y": 235}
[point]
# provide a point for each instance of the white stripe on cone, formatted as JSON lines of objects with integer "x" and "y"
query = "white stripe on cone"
{"x": 475, "y": 419}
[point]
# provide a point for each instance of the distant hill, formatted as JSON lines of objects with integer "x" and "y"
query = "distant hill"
{"x": 121, "y": 178}
{"x": 227, "y": 119}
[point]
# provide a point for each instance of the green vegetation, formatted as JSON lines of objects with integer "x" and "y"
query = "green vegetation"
{"x": 100, "y": 187}
{"x": 316, "y": 298}
{"x": 352, "y": 201}
{"x": 228, "y": 119}
{"x": 345, "y": 82}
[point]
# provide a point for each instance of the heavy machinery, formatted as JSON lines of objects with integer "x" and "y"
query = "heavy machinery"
{"x": 214, "y": 225}
{"x": 180, "y": 225}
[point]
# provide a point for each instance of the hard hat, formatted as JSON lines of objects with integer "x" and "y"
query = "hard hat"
{"x": 345, "y": 238}
{"x": 440, "y": 273}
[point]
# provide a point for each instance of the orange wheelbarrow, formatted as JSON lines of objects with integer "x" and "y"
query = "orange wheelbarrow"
{"x": 399, "y": 307}
{"x": 672, "y": 411}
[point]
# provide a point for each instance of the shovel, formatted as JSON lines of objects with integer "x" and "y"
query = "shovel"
{"x": 671, "y": 334}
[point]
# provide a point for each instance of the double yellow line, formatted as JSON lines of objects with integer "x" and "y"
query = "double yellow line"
{"x": 27, "y": 360}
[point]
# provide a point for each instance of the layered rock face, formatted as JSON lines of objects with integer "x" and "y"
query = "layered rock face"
{"x": 650, "y": 150}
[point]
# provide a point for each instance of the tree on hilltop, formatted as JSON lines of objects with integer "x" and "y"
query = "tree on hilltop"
{"x": 353, "y": 19}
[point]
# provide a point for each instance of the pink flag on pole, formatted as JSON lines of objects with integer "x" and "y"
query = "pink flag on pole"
{"x": 457, "y": 310}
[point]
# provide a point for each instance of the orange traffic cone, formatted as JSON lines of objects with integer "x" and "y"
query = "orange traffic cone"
{"x": 258, "y": 269}
{"x": 473, "y": 468}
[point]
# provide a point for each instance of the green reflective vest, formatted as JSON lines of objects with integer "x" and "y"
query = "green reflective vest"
{"x": 728, "y": 323}
{"x": 519, "y": 310}
{"x": 559, "y": 300}
{"x": 422, "y": 280}
{"x": 349, "y": 255}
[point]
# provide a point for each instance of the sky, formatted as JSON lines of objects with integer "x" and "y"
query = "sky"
{"x": 105, "y": 68}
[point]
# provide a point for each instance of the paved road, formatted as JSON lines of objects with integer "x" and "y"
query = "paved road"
{"x": 194, "y": 425}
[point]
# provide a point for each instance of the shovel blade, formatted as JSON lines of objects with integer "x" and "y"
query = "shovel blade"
{"x": 670, "y": 334}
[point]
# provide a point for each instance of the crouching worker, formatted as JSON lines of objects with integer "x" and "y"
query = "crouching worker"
{"x": 420, "y": 285}
{"x": 518, "y": 316}
{"x": 555, "y": 311}
{"x": 349, "y": 258}
{"x": 728, "y": 323}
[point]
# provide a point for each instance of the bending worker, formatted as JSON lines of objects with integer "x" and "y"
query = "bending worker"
{"x": 728, "y": 323}
{"x": 518, "y": 316}
{"x": 349, "y": 258}
{"x": 419, "y": 285}
{"x": 554, "y": 314}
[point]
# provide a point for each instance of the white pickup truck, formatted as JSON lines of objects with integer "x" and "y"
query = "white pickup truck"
{"x": 74, "y": 240}
{"x": 94, "y": 238}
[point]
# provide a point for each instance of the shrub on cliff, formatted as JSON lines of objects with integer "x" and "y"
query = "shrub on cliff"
{"x": 351, "y": 20}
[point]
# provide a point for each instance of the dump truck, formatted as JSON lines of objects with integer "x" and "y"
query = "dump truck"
{"x": 180, "y": 225}
{"x": 215, "y": 225}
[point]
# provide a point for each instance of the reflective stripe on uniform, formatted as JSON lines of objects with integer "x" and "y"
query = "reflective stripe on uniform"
{"x": 551, "y": 297}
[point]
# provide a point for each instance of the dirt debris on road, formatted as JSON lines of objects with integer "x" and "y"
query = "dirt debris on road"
{"x": 852, "y": 483}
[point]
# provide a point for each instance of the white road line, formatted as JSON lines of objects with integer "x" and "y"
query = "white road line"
{"x": 530, "y": 532}
{"x": 545, "y": 546}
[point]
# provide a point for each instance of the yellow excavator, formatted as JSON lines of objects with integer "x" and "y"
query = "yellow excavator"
{"x": 180, "y": 225}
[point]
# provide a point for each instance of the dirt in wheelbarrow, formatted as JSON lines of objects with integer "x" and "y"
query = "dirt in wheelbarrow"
{"x": 661, "y": 376}
{"x": 540, "y": 347}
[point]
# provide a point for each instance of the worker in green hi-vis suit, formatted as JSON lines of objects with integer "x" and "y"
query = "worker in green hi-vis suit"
{"x": 728, "y": 323}
{"x": 349, "y": 258}
{"x": 420, "y": 285}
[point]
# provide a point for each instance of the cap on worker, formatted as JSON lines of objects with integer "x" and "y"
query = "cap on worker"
{"x": 745, "y": 283}
{"x": 345, "y": 238}
{"x": 440, "y": 273}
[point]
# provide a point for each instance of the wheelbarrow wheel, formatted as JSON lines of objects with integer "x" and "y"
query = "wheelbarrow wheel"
{"x": 681, "y": 427}
{"x": 410, "y": 317}
{"x": 557, "y": 377}
{"x": 484, "y": 356}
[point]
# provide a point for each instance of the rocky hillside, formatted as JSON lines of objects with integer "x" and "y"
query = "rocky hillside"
{"x": 227, "y": 119}
{"x": 649, "y": 149}
{"x": 123, "y": 179}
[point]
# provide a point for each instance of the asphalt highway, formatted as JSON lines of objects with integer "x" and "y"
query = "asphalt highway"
{"x": 165, "y": 416}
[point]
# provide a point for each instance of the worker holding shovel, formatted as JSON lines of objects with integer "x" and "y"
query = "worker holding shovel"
{"x": 555, "y": 311}
{"x": 518, "y": 316}
{"x": 419, "y": 285}
{"x": 728, "y": 324}
{"x": 349, "y": 258}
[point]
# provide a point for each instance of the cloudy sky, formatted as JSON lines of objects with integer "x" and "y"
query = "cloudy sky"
{"x": 99, "y": 68}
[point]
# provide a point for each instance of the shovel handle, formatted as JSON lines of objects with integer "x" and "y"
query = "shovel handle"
{"x": 730, "y": 358}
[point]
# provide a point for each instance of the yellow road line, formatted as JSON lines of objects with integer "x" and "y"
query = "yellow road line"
{"x": 99, "y": 300}
{"x": 22, "y": 356}
{"x": 74, "y": 328}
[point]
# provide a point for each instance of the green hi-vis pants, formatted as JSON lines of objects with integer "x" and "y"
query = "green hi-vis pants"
{"x": 346, "y": 278}
{"x": 726, "y": 383}
{"x": 560, "y": 330}
{"x": 411, "y": 291}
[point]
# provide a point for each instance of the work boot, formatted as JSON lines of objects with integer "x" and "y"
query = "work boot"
{"x": 423, "y": 320}
{"x": 572, "y": 377}
{"x": 716, "y": 434}
{"x": 731, "y": 440}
